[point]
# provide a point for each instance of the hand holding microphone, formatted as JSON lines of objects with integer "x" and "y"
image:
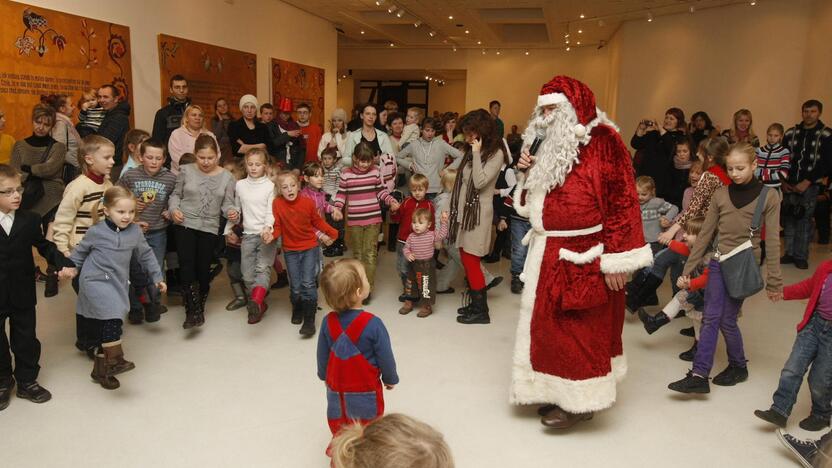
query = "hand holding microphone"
{"x": 527, "y": 154}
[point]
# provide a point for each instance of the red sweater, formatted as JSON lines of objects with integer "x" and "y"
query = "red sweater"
{"x": 405, "y": 215}
{"x": 809, "y": 288}
{"x": 296, "y": 221}
{"x": 682, "y": 249}
{"x": 312, "y": 134}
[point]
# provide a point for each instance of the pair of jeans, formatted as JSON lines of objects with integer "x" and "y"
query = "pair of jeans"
{"x": 668, "y": 260}
{"x": 813, "y": 345}
{"x": 196, "y": 251}
{"x": 257, "y": 259}
{"x": 303, "y": 267}
{"x": 797, "y": 232}
{"x": 363, "y": 241}
{"x": 720, "y": 314}
{"x": 519, "y": 227}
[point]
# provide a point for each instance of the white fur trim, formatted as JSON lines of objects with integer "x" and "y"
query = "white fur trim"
{"x": 519, "y": 207}
{"x": 581, "y": 258}
{"x": 551, "y": 98}
{"x": 627, "y": 262}
{"x": 619, "y": 367}
{"x": 580, "y": 131}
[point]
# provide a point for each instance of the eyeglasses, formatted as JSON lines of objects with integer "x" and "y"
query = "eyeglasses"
{"x": 11, "y": 191}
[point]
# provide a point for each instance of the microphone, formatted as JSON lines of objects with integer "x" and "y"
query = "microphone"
{"x": 540, "y": 135}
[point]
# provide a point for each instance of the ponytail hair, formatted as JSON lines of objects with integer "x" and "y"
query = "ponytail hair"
{"x": 392, "y": 441}
{"x": 112, "y": 196}
{"x": 135, "y": 137}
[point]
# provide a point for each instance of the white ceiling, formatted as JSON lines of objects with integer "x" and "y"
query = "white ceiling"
{"x": 491, "y": 24}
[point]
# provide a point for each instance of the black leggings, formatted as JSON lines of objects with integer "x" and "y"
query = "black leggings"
{"x": 196, "y": 251}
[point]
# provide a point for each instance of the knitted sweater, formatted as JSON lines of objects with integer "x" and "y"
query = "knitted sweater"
{"x": 362, "y": 192}
{"x": 811, "y": 152}
{"x": 321, "y": 205}
{"x": 730, "y": 225}
{"x": 405, "y": 215}
{"x": 331, "y": 177}
{"x": 253, "y": 200}
{"x": 651, "y": 213}
{"x": 427, "y": 158}
{"x": 48, "y": 167}
{"x": 105, "y": 254}
{"x": 421, "y": 245}
{"x": 153, "y": 191}
{"x": 74, "y": 216}
{"x": 296, "y": 221}
{"x": 773, "y": 164}
{"x": 202, "y": 198}
{"x": 374, "y": 344}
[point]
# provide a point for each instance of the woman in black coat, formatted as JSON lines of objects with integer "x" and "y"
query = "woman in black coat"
{"x": 657, "y": 143}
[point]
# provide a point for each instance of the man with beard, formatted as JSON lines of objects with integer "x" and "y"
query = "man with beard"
{"x": 586, "y": 236}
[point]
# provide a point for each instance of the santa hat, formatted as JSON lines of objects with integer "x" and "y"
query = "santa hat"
{"x": 248, "y": 99}
{"x": 285, "y": 105}
{"x": 564, "y": 89}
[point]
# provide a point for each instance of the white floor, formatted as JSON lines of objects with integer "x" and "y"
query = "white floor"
{"x": 233, "y": 394}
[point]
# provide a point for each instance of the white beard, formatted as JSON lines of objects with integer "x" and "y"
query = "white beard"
{"x": 557, "y": 153}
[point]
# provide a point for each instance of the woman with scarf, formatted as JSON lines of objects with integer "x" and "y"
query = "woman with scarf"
{"x": 471, "y": 206}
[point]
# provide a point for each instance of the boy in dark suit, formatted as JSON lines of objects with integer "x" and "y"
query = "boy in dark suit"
{"x": 19, "y": 232}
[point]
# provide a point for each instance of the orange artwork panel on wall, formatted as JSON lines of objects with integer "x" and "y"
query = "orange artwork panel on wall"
{"x": 50, "y": 52}
{"x": 300, "y": 83}
{"x": 212, "y": 72}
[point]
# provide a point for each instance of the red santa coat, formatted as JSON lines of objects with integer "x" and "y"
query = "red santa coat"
{"x": 568, "y": 348}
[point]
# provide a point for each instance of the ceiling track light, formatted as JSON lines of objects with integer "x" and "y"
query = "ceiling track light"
{"x": 392, "y": 9}
{"x": 498, "y": 52}
{"x": 392, "y": 45}
{"x": 362, "y": 31}
{"x": 479, "y": 42}
{"x": 454, "y": 48}
{"x": 692, "y": 9}
{"x": 568, "y": 48}
{"x": 432, "y": 33}
{"x": 649, "y": 17}
{"x": 527, "y": 52}
{"x": 580, "y": 31}
{"x": 451, "y": 17}
{"x": 582, "y": 16}
{"x": 400, "y": 13}
{"x": 379, "y": 2}
{"x": 753, "y": 3}
{"x": 417, "y": 24}
{"x": 483, "y": 51}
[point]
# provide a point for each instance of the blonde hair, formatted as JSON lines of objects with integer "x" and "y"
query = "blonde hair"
{"x": 339, "y": 282}
{"x": 646, "y": 183}
{"x": 448, "y": 179}
{"x": 87, "y": 95}
{"x": 422, "y": 214}
{"x": 110, "y": 198}
{"x": 89, "y": 145}
{"x": 745, "y": 149}
{"x": 257, "y": 152}
{"x": 419, "y": 181}
{"x": 190, "y": 108}
{"x": 694, "y": 226}
{"x": 737, "y": 115}
{"x": 420, "y": 113}
{"x": 235, "y": 168}
{"x": 392, "y": 441}
{"x": 135, "y": 137}
{"x": 284, "y": 174}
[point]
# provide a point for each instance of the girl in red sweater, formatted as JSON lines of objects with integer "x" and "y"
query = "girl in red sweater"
{"x": 296, "y": 219}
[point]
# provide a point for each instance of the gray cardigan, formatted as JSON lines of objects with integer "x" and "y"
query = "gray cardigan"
{"x": 428, "y": 158}
{"x": 202, "y": 198}
{"x": 103, "y": 256}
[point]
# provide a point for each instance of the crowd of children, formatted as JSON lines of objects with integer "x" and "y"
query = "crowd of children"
{"x": 113, "y": 241}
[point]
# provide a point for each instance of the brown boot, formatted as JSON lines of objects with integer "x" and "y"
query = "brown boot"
{"x": 100, "y": 374}
{"x": 407, "y": 307}
{"x": 116, "y": 363}
{"x": 558, "y": 418}
{"x": 424, "y": 311}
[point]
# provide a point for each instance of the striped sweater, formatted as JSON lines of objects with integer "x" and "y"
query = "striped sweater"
{"x": 362, "y": 192}
{"x": 421, "y": 245}
{"x": 773, "y": 164}
{"x": 74, "y": 215}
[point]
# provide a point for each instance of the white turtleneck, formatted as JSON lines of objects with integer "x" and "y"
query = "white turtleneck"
{"x": 253, "y": 199}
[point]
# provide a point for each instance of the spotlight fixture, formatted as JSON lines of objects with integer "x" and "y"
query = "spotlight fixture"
{"x": 582, "y": 16}
{"x": 400, "y": 13}
{"x": 392, "y": 9}
{"x": 601, "y": 23}
{"x": 753, "y": 3}
{"x": 467, "y": 31}
{"x": 498, "y": 52}
{"x": 568, "y": 48}
{"x": 692, "y": 9}
{"x": 580, "y": 31}
{"x": 527, "y": 52}
{"x": 417, "y": 24}
{"x": 392, "y": 45}
{"x": 427, "y": 77}
{"x": 649, "y": 17}
{"x": 479, "y": 42}
{"x": 566, "y": 36}
{"x": 362, "y": 31}
{"x": 454, "y": 48}
{"x": 379, "y": 2}
{"x": 432, "y": 33}
{"x": 578, "y": 43}
{"x": 450, "y": 17}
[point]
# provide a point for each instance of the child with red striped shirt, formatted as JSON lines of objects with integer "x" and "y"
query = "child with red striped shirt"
{"x": 418, "y": 250}
{"x": 418, "y": 186}
{"x": 296, "y": 220}
{"x": 361, "y": 188}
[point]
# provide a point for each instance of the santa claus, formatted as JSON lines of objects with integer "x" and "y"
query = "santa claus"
{"x": 580, "y": 197}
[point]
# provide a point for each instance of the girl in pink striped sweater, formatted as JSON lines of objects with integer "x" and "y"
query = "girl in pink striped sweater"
{"x": 361, "y": 189}
{"x": 418, "y": 250}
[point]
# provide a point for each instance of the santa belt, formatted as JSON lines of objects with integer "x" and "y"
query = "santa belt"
{"x": 534, "y": 235}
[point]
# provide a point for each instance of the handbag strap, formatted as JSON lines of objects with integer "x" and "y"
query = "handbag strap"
{"x": 46, "y": 153}
{"x": 758, "y": 211}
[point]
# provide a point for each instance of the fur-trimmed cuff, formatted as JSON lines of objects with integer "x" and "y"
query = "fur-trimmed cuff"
{"x": 521, "y": 208}
{"x": 576, "y": 396}
{"x": 627, "y": 262}
{"x": 619, "y": 367}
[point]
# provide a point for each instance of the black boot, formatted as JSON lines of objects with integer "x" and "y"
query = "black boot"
{"x": 642, "y": 291}
{"x": 297, "y": 311}
{"x": 201, "y": 300}
{"x": 309, "y": 309}
{"x": 240, "y": 298}
{"x": 689, "y": 354}
{"x": 392, "y": 236}
{"x": 653, "y": 322}
{"x": 189, "y": 300}
{"x": 51, "y": 287}
{"x": 516, "y": 284}
{"x": 478, "y": 311}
